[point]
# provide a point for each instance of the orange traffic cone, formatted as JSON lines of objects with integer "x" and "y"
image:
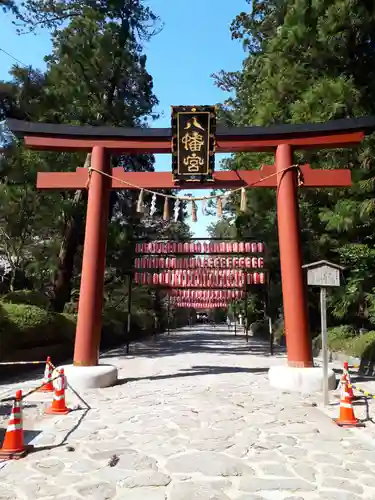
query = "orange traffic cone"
{"x": 13, "y": 445}
{"x": 346, "y": 375}
{"x": 58, "y": 406}
{"x": 347, "y": 417}
{"x": 47, "y": 378}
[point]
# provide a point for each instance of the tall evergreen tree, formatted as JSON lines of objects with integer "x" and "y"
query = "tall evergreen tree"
{"x": 312, "y": 62}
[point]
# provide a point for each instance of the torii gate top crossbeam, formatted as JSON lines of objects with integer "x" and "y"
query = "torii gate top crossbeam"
{"x": 333, "y": 134}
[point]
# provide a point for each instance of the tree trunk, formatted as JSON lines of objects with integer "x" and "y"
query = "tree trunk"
{"x": 62, "y": 284}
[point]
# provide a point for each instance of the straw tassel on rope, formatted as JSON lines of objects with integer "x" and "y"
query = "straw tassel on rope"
{"x": 243, "y": 204}
{"x": 176, "y": 209}
{"x": 219, "y": 206}
{"x": 194, "y": 217}
{"x": 166, "y": 209}
{"x": 153, "y": 205}
{"x": 140, "y": 202}
{"x": 203, "y": 206}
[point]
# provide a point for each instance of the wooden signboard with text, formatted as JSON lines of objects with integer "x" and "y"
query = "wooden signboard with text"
{"x": 193, "y": 143}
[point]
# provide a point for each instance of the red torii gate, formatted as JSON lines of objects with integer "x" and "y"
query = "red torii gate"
{"x": 282, "y": 140}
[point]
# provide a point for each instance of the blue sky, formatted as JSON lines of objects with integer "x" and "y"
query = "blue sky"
{"x": 194, "y": 43}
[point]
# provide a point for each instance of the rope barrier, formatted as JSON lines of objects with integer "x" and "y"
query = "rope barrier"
{"x": 37, "y": 388}
{"x": 365, "y": 393}
{"x": 12, "y": 398}
{"x": 200, "y": 198}
{"x": 6, "y": 363}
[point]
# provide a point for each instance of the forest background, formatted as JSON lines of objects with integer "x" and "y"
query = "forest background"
{"x": 304, "y": 62}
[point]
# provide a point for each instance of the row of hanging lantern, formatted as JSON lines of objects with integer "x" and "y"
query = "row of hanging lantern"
{"x": 201, "y": 278}
{"x": 197, "y": 299}
{"x": 202, "y": 305}
{"x": 199, "y": 262}
{"x": 175, "y": 247}
{"x": 208, "y": 294}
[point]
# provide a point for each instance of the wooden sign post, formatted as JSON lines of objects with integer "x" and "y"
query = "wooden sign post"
{"x": 324, "y": 274}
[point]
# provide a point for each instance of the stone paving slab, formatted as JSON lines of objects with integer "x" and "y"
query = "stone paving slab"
{"x": 192, "y": 418}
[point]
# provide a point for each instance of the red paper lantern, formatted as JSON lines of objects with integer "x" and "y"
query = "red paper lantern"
{"x": 241, "y": 247}
{"x": 260, "y": 262}
{"x": 260, "y": 247}
{"x": 262, "y": 278}
{"x": 256, "y": 278}
{"x": 247, "y": 247}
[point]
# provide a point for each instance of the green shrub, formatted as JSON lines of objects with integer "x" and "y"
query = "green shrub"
{"x": 339, "y": 336}
{"x": 316, "y": 345}
{"x": 279, "y": 332}
{"x": 338, "y": 339}
{"x": 362, "y": 346}
{"x": 29, "y": 297}
{"x": 344, "y": 339}
{"x": 23, "y": 326}
{"x": 65, "y": 326}
{"x": 260, "y": 329}
{"x": 71, "y": 308}
{"x": 143, "y": 320}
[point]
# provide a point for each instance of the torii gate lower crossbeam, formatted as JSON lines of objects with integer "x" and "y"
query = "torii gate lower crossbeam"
{"x": 282, "y": 140}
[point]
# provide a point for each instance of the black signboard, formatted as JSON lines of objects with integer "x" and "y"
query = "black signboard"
{"x": 193, "y": 143}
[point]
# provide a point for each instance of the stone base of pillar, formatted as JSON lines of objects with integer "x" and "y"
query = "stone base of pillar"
{"x": 90, "y": 377}
{"x": 303, "y": 380}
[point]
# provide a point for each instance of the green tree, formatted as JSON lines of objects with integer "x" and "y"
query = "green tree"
{"x": 95, "y": 75}
{"x": 310, "y": 62}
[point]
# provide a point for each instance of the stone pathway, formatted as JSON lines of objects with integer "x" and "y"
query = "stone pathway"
{"x": 192, "y": 418}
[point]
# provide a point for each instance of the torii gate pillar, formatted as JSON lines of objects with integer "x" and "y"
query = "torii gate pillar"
{"x": 86, "y": 349}
{"x": 293, "y": 286}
